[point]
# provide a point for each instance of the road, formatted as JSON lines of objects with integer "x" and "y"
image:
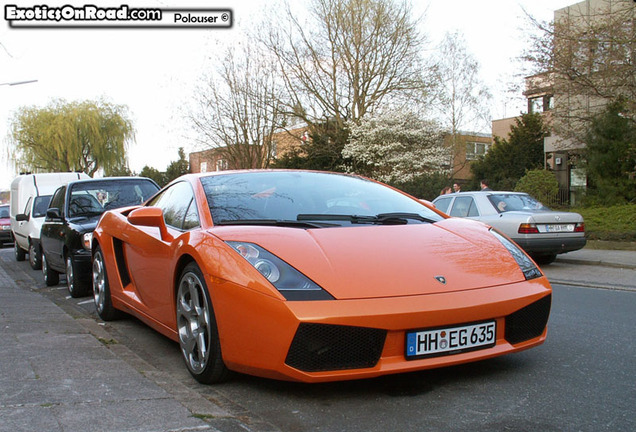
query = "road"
{"x": 581, "y": 379}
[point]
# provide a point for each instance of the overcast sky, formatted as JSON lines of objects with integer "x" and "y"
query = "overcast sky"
{"x": 155, "y": 72}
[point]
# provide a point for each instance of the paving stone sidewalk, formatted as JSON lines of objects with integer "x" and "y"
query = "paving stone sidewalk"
{"x": 58, "y": 374}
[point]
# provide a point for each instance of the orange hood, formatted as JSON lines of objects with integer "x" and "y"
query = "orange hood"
{"x": 389, "y": 260}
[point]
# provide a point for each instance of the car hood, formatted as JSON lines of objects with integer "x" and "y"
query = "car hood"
{"x": 86, "y": 224}
{"x": 386, "y": 261}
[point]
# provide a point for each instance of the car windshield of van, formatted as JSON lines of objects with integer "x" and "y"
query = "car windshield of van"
{"x": 40, "y": 205}
{"x": 95, "y": 197}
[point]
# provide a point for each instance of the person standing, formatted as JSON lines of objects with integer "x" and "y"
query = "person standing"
{"x": 483, "y": 184}
{"x": 457, "y": 187}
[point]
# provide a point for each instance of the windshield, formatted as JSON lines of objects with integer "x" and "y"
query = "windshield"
{"x": 95, "y": 197}
{"x": 516, "y": 202}
{"x": 308, "y": 196}
{"x": 4, "y": 212}
{"x": 40, "y": 205}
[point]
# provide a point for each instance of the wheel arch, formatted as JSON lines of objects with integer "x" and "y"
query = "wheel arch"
{"x": 184, "y": 260}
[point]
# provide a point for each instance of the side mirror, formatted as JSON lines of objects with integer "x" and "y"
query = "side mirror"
{"x": 21, "y": 217}
{"x": 53, "y": 213}
{"x": 152, "y": 217}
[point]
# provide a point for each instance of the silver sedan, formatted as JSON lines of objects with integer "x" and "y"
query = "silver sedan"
{"x": 541, "y": 232}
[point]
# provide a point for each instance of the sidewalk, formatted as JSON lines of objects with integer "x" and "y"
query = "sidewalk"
{"x": 58, "y": 373}
{"x": 606, "y": 269}
{"x": 607, "y": 258}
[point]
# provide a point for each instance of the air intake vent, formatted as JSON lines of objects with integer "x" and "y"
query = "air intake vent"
{"x": 323, "y": 347}
{"x": 529, "y": 322}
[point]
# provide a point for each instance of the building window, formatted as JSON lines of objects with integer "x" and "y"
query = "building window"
{"x": 535, "y": 105}
{"x": 221, "y": 165}
{"x": 540, "y": 104}
{"x": 475, "y": 149}
{"x": 203, "y": 167}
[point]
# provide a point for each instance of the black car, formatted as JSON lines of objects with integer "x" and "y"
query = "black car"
{"x": 72, "y": 215}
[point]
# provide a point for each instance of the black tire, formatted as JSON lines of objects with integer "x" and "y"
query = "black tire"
{"x": 35, "y": 256}
{"x": 544, "y": 259}
{"x": 51, "y": 277}
{"x": 195, "y": 317}
{"x": 77, "y": 285}
{"x": 101, "y": 289}
{"x": 18, "y": 252}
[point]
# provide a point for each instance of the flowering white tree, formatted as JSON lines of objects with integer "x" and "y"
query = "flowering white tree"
{"x": 396, "y": 147}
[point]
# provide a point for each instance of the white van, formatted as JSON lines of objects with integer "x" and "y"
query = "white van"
{"x": 30, "y": 196}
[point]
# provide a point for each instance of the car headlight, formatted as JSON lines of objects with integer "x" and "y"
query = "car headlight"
{"x": 529, "y": 269}
{"x": 87, "y": 240}
{"x": 291, "y": 283}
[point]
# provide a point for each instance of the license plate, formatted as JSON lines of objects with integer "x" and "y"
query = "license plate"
{"x": 450, "y": 340}
{"x": 560, "y": 228}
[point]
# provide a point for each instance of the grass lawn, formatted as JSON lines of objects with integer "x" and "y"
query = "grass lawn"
{"x": 610, "y": 226}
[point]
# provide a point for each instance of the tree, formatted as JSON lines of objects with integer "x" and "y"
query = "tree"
{"x": 508, "y": 160}
{"x": 395, "y": 148}
{"x": 350, "y": 57}
{"x": 461, "y": 100}
{"x": 154, "y": 174}
{"x": 72, "y": 136}
{"x": 238, "y": 108}
{"x": 611, "y": 159}
{"x": 589, "y": 53}
{"x": 540, "y": 183}
{"x": 177, "y": 168}
{"x": 322, "y": 151}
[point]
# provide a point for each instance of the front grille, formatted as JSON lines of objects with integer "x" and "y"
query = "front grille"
{"x": 324, "y": 347}
{"x": 529, "y": 322}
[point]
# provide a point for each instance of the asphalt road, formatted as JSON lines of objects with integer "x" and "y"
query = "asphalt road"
{"x": 581, "y": 379}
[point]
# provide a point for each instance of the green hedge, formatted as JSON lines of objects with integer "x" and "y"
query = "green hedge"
{"x": 615, "y": 223}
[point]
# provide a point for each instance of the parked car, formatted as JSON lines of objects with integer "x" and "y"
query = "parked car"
{"x": 541, "y": 232}
{"x": 30, "y": 196}
{"x": 312, "y": 276}
{"x": 5, "y": 225}
{"x": 70, "y": 220}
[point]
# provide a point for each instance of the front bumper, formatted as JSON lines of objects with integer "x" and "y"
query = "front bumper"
{"x": 316, "y": 341}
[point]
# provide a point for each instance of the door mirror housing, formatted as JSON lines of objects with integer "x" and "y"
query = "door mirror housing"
{"x": 21, "y": 217}
{"x": 152, "y": 217}
{"x": 53, "y": 213}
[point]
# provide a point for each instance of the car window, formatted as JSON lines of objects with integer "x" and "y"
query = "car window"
{"x": 516, "y": 202}
{"x": 464, "y": 207}
{"x": 58, "y": 199}
{"x": 27, "y": 208}
{"x": 4, "y": 212}
{"x": 177, "y": 203}
{"x": 443, "y": 203}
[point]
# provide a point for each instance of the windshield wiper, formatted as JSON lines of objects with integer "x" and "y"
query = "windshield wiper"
{"x": 274, "y": 222}
{"x": 396, "y": 218}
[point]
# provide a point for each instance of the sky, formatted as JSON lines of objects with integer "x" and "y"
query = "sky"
{"x": 155, "y": 72}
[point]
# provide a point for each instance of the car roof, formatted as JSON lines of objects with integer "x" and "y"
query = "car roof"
{"x": 94, "y": 180}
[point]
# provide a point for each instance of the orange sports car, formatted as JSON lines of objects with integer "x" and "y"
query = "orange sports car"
{"x": 314, "y": 276}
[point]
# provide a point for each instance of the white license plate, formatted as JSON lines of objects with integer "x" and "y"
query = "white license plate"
{"x": 560, "y": 228}
{"x": 450, "y": 340}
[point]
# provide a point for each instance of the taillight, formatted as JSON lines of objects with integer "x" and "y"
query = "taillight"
{"x": 580, "y": 227}
{"x": 528, "y": 228}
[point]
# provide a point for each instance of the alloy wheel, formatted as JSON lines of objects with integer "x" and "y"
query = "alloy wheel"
{"x": 70, "y": 277}
{"x": 193, "y": 322}
{"x": 99, "y": 284}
